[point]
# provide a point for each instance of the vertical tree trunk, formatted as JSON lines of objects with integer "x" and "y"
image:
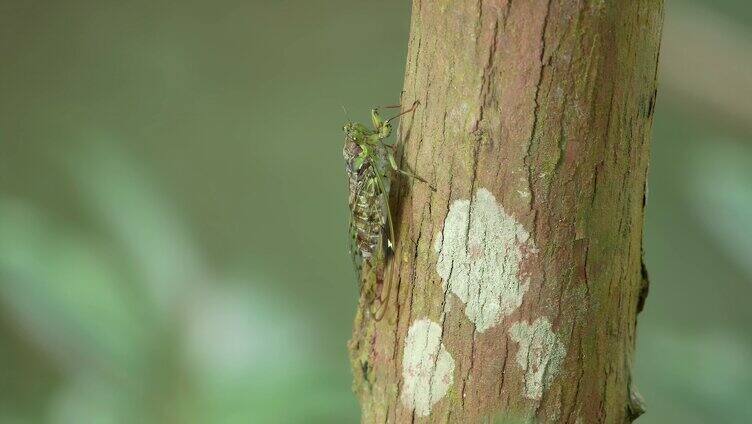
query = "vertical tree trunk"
{"x": 516, "y": 285}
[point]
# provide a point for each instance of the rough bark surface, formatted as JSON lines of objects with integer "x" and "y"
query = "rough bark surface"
{"x": 516, "y": 285}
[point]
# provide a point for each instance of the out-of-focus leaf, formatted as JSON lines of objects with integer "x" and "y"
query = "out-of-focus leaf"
{"x": 88, "y": 399}
{"x": 287, "y": 397}
{"x": 705, "y": 377}
{"x": 8, "y": 418}
{"x": 127, "y": 203}
{"x": 67, "y": 295}
{"x": 722, "y": 182}
{"x": 236, "y": 330}
{"x": 251, "y": 355}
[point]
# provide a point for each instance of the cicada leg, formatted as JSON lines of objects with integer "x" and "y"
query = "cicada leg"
{"x": 379, "y": 301}
{"x": 370, "y": 280}
{"x": 386, "y": 289}
{"x": 376, "y": 118}
{"x": 393, "y": 164}
{"x": 412, "y": 108}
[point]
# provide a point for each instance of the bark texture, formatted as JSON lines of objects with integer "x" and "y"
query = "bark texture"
{"x": 516, "y": 285}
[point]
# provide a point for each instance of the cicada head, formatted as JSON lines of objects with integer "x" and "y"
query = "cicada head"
{"x": 347, "y": 129}
{"x": 355, "y": 132}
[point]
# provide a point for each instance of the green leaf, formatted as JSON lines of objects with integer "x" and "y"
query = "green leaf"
{"x": 67, "y": 295}
{"x": 721, "y": 178}
{"x": 153, "y": 237}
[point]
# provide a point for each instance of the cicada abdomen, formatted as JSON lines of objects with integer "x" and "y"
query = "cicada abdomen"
{"x": 365, "y": 199}
{"x": 368, "y": 215}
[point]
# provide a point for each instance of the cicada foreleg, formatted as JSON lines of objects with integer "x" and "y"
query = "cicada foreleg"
{"x": 393, "y": 164}
{"x": 412, "y": 108}
{"x": 376, "y": 118}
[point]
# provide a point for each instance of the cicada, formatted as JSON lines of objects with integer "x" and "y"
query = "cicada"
{"x": 367, "y": 159}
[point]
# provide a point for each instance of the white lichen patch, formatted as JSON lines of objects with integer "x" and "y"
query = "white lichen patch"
{"x": 540, "y": 354}
{"x": 479, "y": 258}
{"x": 427, "y": 367}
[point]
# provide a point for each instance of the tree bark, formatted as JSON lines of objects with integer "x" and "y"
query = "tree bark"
{"x": 516, "y": 284}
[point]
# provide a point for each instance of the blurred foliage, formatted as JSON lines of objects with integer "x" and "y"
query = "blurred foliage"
{"x": 172, "y": 217}
{"x": 133, "y": 316}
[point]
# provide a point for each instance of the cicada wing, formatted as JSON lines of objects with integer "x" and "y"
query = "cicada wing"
{"x": 389, "y": 243}
{"x": 356, "y": 254}
{"x": 352, "y": 245}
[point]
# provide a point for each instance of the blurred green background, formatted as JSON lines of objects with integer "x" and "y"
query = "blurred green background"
{"x": 173, "y": 213}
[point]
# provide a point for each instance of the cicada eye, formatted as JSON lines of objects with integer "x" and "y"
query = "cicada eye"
{"x": 348, "y": 129}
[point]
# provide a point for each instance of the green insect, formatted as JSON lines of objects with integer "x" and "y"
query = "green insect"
{"x": 371, "y": 229}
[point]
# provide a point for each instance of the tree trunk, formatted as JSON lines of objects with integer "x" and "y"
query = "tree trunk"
{"x": 516, "y": 284}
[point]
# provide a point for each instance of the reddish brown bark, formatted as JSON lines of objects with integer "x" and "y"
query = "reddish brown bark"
{"x": 534, "y": 127}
